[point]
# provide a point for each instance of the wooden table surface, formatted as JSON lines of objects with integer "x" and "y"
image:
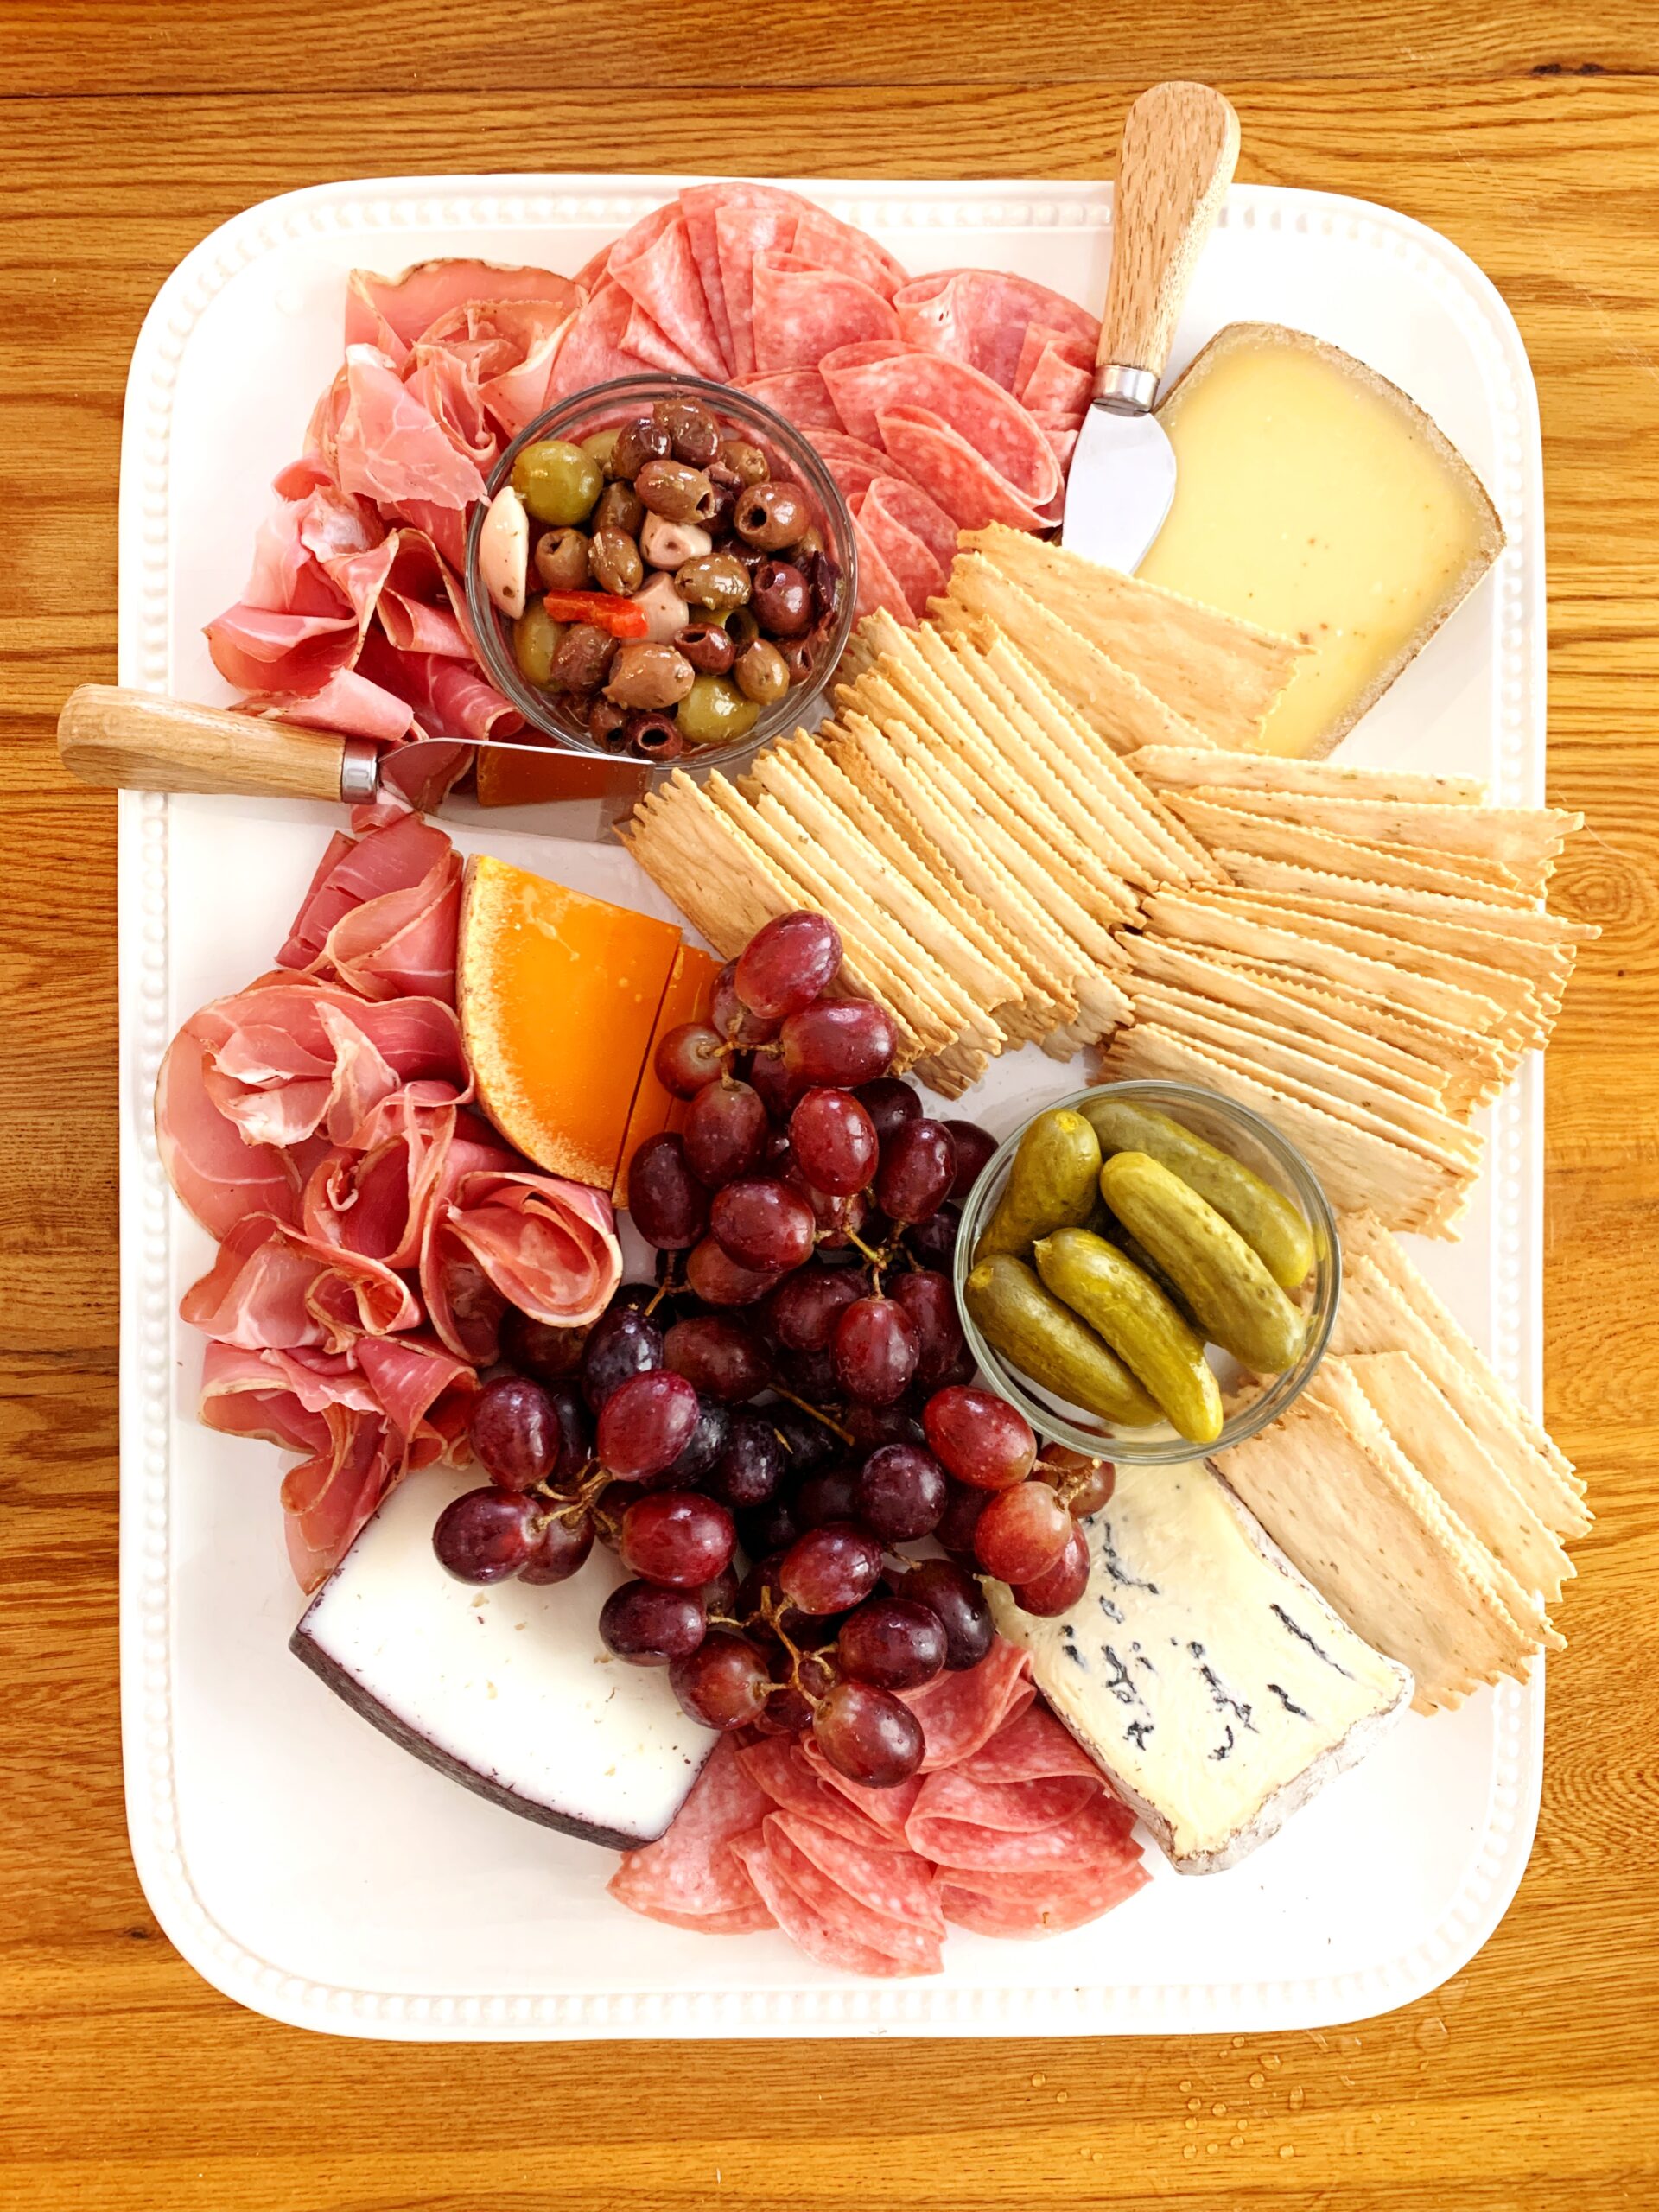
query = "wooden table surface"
{"x": 1528, "y": 130}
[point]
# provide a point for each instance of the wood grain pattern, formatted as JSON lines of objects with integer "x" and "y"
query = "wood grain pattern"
{"x": 131, "y": 741}
{"x": 1526, "y": 2084}
{"x": 1178, "y": 151}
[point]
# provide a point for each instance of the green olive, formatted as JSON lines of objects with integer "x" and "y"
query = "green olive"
{"x": 599, "y": 447}
{"x": 557, "y": 481}
{"x": 536, "y": 637}
{"x": 715, "y": 712}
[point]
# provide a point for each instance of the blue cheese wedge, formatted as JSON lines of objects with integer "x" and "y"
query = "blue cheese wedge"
{"x": 507, "y": 1690}
{"x": 1214, "y": 1688}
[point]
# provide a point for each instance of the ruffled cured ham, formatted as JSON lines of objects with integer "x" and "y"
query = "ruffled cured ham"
{"x": 372, "y": 1229}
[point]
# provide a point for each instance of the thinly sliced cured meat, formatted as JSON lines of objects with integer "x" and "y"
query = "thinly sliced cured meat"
{"x": 1030, "y": 1747}
{"x": 913, "y": 566}
{"x": 1052, "y": 1904}
{"x": 1056, "y": 373}
{"x": 265, "y": 649}
{"x": 592, "y": 351}
{"x": 894, "y": 500}
{"x": 536, "y": 1241}
{"x": 373, "y": 1196}
{"x": 852, "y": 463}
{"x": 395, "y": 857}
{"x": 959, "y": 1712}
{"x": 382, "y": 916}
{"x": 800, "y": 396}
{"x": 868, "y": 384}
{"x": 878, "y": 587}
{"x": 827, "y": 242}
{"x": 802, "y": 312}
{"x": 403, "y": 307}
{"x": 219, "y": 1176}
{"x": 1009, "y": 1808}
{"x": 655, "y": 265}
{"x": 347, "y": 702}
{"x": 1094, "y": 1831}
{"x": 892, "y": 1884}
{"x": 690, "y": 1877}
{"x": 699, "y": 204}
{"x": 645, "y": 338}
{"x": 803, "y": 1924}
{"x": 953, "y": 473}
{"x": 391, "y": 448}
{"x": 270, "y": 1285}
{"x": 889, "y": 1809}
{"x": 798, "y": 1849}
{"x": 980, "y": 316}
{"x": 327, "y": 1498}
{"x": 752, "y": 218}
{"x": 412, "y": 1378}
{"x": 449, "y": 697}
{"x": 781, "y": 1768}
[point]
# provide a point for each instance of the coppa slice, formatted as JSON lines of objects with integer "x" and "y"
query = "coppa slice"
{"x": 507, "y": 1691}
{"x": 1214, "y": 1688}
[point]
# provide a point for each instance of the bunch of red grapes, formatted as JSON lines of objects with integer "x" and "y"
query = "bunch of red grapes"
{"x": 760, "y": 1432}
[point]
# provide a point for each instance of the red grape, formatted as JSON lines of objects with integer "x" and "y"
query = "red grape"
{"x": 514, "y": 1433}
{"x": 809, "y": 1375}
{"x": 708, "y": 1441}
{"x": 1084, "y": 1485}
{"x": 734, "y": 1022}
{"x": 890, "y": 1102}
{"x": 843, "y": 1041}
{"x": 647, "y": 1424}
{"x": 725, "y": 1132}
{"x": 1021, "y": 1532}
{"x": 787, "y": 964}
{"x": 893, "y": 1643}
{"x": 901, "y": 1493}
{"x": 876, "y": 1348}
{"x": 839, "y": 1220}
{"x": 934, "y": 1241}
{"x": 867, "y": 1735}
{"x": 871, "y": 1426}
{"x": 981, "y": 1439}
{"x": 931, "y": 1302}
{"x": 723, "y": 1683}
{"x": 778, "y": 1089}
{"x": 723, "y": 1358}
{"x": 761, "y": 1222}
{"x": 834, "y": 1142}
{"x": 649, "y": 1627}
{"x": 719, "y": 1280}
{"x": 832, "y": 1567}
{"x": 689, "y": 1056}
{"x": 974, "y": 1147}
{"x": 1059, "y": 1588}
{"x": 750, "y": 1465}
{"x": 576, "y": 1429}
{"x": 678, "y": 1536}
{"x": 962, "y": 1506}
{"x": 622, "y": 1343}
{"x": 828, "y": 1496}
{"x": 538, "y": 1349}
{"x": 809, "y": 1443}
{"x": 484, "y": 1535}
{"x": 560, "y": 1545}
{"x": 919, "y": 1164}
{"x": 954, "y": 1596}
{"x": 796, "y": 1682}
{"x": 720, "y": 1596}
{"x": 669, "y": 1205}
{"x": 768, "y": 1528}
{"x": 806, "y": 1306}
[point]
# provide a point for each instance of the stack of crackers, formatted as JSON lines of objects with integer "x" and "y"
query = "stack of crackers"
{"x": 977, "y": 842}
{"x": 1408, "y": 1483}
{"x": 1378, "y": 960}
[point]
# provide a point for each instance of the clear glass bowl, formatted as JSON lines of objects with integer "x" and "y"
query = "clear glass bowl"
{"x": 1256, "y": 1145}
{"x": 604, "y": 407}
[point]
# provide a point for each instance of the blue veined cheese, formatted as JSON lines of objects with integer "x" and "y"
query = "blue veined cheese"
{"x": 1212, "y": 1684}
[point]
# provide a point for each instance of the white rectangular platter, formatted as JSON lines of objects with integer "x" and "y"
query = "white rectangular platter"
{"x": 309, "y": 1867}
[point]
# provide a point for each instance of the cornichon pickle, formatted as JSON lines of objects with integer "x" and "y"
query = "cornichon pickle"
{"x": 1050, "y": 1345}
{"x": 1053, "y": 1184}
{"x": 1139, "y": 1323}
{"x": 1269, "y": 1224}
{"x": 1225, "y": 1284}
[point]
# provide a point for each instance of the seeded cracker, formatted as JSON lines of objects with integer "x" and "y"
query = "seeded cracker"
{"x": 1173, "y": 768}
{"x": 1228, "y": 829}
{"x": 1535, "y": 926}
{"x": 1526, "y": 839}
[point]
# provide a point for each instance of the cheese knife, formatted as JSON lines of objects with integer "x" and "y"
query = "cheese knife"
{"x": 1181, "y": 144}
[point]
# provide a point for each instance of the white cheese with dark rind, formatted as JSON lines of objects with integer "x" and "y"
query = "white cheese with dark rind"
{"x": 1214, "y": 1687}
{"x": 506, "y": 1689}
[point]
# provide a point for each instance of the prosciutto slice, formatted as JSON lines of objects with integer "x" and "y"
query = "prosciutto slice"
{"x": 391, "y": 448}
{"x": 399, "y": 309}
{"x": 382, "y": 913}
{"x": 500, "y": 1237}
{"x": 219, "y": 1176}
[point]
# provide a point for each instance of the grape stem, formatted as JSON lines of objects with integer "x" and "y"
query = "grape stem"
{"x": 877, "y": 1261}
{"x": 817, "y": 1413}
{"x": 663, "y": 1289}
{"x": 591, "y": 1480}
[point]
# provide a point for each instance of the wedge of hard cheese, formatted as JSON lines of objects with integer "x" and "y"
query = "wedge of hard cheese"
{"x": 1313, "y": 497}
{"x": 1216, "y": 1688}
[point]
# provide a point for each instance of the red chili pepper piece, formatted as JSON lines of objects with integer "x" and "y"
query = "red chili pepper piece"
{"x": 619, "y": 616}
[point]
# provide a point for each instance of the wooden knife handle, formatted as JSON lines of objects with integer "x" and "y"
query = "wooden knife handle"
{"x": 133, "y": 741}
{"x": 1181, "y": 144}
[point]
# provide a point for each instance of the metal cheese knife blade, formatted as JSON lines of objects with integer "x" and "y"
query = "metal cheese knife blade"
{"x": 1181, "y": 143}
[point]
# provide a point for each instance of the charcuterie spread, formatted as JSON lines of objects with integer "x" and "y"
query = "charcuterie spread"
{"x": 712, "y": 1440}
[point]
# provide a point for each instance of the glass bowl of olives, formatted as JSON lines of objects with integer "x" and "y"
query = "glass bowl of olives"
{"x": 663, "y": 570}
{"x": 1149, "y": 1271}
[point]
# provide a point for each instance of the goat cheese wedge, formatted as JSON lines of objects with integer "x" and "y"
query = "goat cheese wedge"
{"x": 507, "y": 1689}
{"x": 1214, "y": 1687}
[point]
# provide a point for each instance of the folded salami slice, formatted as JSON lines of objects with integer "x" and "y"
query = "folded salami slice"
{"x": 961, "y": 1711}
{"x": 1029, "y": 1748}
{"x": 802, "y": 312}
{"x": 779, "y": 1767}
{"x": 750, "y": 220}
{"x": 1093, "y": 1832}
{"x": 804, "y": 1922}
{"x": 950, "y": 470}
{"x": 878, "y": 587}
{"x": 646, "y": 337}
{"x": 699, "y": 204}
{"x": 980, "y": 316}
{"x": 654, "y": 263}
{"x": 592, "y": 349}
{"x": 921, "y": 574}
{"x": 1049, "y": 1905}
{"x": 1056, "y": 373}
{"x": 889, "y": 1809}
{"x": 1007, "y": 1808}
{"x": 915, "y": 1947}
{"x": 852, "y": 462}
{"x": 800, "y": 396}
{"x": 826, "y": 242}
{"x": 690, "y": 1876}
{"x": 909, "y": 506}
{"x": 866, "y": 385}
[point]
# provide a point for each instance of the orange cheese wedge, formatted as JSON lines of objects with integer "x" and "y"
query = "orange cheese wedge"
{"x": 688, "y": 998}
{"x": 559, "y": 995}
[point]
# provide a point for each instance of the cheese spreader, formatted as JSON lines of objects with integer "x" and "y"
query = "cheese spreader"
{"x": 1181, "y": 143}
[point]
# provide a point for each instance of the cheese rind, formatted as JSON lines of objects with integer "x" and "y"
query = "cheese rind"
{"x": 1213, "y": 1685}
{"x": 1314, "y": 497}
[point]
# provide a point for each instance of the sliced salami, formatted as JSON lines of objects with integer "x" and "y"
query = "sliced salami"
{"x": 1028, "y": 1748}
{"x": 865, "y": 387}
{"x": 800, "y": 396}
{"x": 690, "y": 1874}
{"x": 961, "y": 1711}
{"x": 1056, "y": 374}
{"x": 805, "y": 1926}
{"x": 889, "y": 1809}
{"x": 699, "y": 204}
{"x": 752, "y": 218}
{"x": 1009, "y": 1808}
{"x": 657, "y": 268}
{"x": 980, "y": 316}
{"x": 811, "y": 1859}
{"x": 778, "y": 1768}
{"x": 802, "y": 312}
{"x": 877, "y": 584}
{"x": 852, "y": 463}
{"x": 592, "y": 349}
{"x": 1092, "y": 1833}
{"x": 896, "y": 1884}
{"x": 1057, "y": 1903}
{"x": 825, "y": 241}
{"x": 951, "y": 471}
{"x": 643, "y": 336}
{"x": 912, "y": 567}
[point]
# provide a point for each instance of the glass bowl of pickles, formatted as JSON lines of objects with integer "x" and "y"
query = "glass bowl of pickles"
{"x": 1148, "y": 1271}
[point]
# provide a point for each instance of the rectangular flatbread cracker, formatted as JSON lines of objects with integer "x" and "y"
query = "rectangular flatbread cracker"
{"x": 1526, "y": 839}
{"x": 1177, "y": 768}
